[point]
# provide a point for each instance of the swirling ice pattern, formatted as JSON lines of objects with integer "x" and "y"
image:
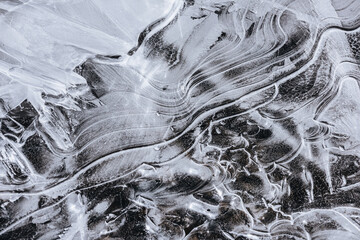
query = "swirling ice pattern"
{"x": 159, "y": 119}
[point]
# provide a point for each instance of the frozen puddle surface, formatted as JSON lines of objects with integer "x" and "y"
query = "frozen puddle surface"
{"x": 197, "y": 120}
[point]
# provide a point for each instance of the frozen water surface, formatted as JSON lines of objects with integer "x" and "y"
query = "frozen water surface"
{"x": 159, "y": 119}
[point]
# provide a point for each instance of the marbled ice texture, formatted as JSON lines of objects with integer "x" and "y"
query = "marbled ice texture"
{"x": 197, "y": 120}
